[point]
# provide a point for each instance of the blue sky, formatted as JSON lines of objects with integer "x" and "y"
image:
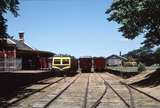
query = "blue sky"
{"x": 76, "y": 27}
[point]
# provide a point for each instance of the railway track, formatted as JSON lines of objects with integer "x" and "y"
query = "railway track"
{"x": 125, "y": 101}
{"x": 89, "y": 90}
{"x": 86, "y": 93}
{"x": 51, "y": 99}
{"x": 134, "y": 88}
{"x": 44, "y": 83}
{"x": 146, "y": 99}
{"x": 137, "y": 98}
{"x": 108, "y": 96}
{"x": 98, "y": 101}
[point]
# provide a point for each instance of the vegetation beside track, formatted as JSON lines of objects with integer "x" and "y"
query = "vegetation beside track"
{"x": 127, "y": 72}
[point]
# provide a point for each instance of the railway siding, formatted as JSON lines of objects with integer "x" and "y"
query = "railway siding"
{"x": 86, "y": 90}
{"x": 32, "y": 92}
{"x": 138, "y": 99}
{"x": 122, "y": 90}
{"x": 116, "y": 96}
{"x": 53, "y": 95}
{"x": 96, "y": 89}
{"x": 110, "y": 100}
{"x": 73, "y": 97}
{"x": 142, "y": 101}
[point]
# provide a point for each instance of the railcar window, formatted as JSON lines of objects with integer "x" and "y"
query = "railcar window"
{"x": 57, "y": 61}
{"x": 65, "y": 61}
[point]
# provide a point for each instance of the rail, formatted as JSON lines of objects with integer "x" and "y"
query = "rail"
{"x": 99, "y": 100}
{"x": 34, "y": 92}
{"x": 107, "y": 84}
{"x": 86, "y": 94}
{"x": 130, "y": 86}
{"x": 62, "y": 91}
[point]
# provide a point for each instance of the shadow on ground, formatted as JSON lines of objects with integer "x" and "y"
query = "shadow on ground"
{"x": 152, "y": 79}
{"x": 12, "y": 83}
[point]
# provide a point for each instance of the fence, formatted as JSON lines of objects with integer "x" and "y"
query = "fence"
{"x": 10, "y": 64}
{"x": 123, "y": 69}
{"x": 130, "y": 69}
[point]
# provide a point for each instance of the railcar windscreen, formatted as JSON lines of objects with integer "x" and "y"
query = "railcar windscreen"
{"x": 57, "y": 61}
{"x": 65, "y": 61}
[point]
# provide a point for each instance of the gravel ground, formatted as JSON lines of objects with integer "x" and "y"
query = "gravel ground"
{"x": 139, "y": 100}
{"x": 28, "y": 102}
{"x": 73, "y": 97}
{"x": 96, "y": 89}
{"x": 151, "y": 89}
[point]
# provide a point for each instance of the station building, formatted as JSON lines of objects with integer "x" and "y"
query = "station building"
{"x": 15, "y": 54}
{"x": 115, "y": 60}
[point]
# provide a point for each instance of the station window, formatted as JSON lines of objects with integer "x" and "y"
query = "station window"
{"x": 57, "y": 61}
{"x": 65, "y": 61}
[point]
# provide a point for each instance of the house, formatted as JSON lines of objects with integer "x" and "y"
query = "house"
{"x": 115, "y": 60}
{"x": 17, "y": 55}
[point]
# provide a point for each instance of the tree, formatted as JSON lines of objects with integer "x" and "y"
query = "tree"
{"x": 143, "y": 54}
{"x": 5, "y": 6}
{"x": 137, "y": 17}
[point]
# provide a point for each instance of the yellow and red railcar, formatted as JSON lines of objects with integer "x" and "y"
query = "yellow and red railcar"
{"x": 64, "y": 64}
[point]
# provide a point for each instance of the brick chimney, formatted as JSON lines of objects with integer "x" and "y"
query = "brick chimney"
{"x": 21, "y": 37}
{"x": 120, "y": 53}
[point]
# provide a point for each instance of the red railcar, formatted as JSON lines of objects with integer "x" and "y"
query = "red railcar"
{"x": 85, "y": 64}
{"x": 99, "y": 63}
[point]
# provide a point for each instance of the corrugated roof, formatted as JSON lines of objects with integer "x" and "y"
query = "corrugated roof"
{"x": 21, "y": 45}
{"x": 85, "y": 57}
{"x": 123, "y": 58}
{"x": 10, "y": 42}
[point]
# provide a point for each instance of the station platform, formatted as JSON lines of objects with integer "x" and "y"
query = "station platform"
{"x": 26, "y": 71}
{"x": 13, "y": 81}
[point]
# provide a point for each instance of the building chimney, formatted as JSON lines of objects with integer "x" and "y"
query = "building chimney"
{"x": 21, "y": 37}
{"x": 120, "y": 53}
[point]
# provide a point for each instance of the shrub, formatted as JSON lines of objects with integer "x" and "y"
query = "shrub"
{"x": 141, "y": 67}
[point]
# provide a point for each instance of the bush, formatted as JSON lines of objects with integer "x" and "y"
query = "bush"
{"x": 141, "y": 67}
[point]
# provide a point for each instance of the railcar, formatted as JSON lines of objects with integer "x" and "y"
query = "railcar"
{"x": 99, "y": 64}
{"x": 85, "y": 64}
{"x": 64, "y": 65}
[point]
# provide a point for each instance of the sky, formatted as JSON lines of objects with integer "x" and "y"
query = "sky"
{"x": 75, "y": 27}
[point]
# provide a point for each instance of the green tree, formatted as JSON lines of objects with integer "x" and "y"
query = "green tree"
{"x": 141, "y": 67}
{"x": 5, "y": 6}
{"x": 143, "y": 54}
{"x": 137, "y": 17}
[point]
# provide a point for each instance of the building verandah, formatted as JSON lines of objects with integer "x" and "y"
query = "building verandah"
{"x": 17, "y": 55}
{"x": 7, "y": 54}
